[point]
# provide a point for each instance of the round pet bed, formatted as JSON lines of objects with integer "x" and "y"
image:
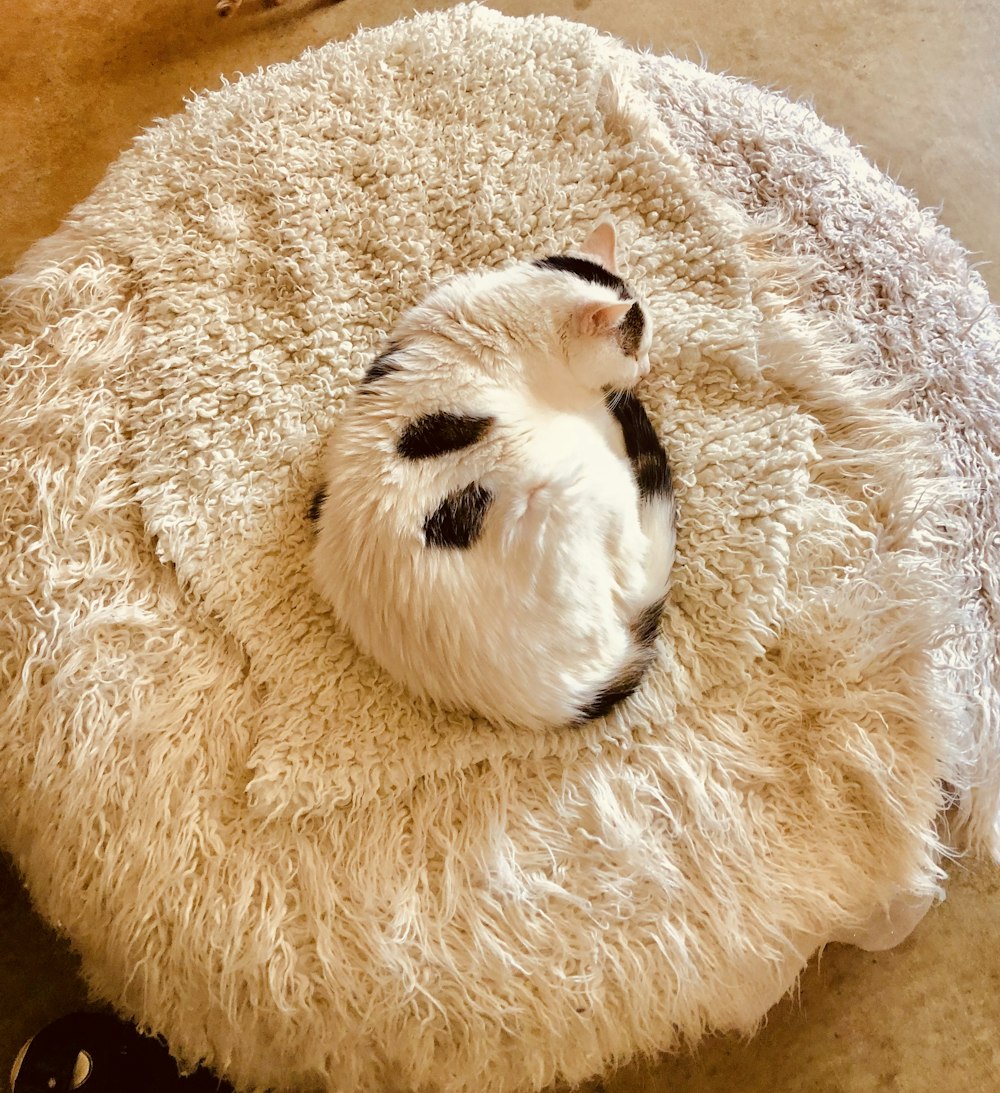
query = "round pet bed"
{"x": 267, "y": 851}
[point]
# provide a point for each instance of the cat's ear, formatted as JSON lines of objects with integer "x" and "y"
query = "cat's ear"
{"x": 602, "y": 244}
{"x": 600, "y": 318}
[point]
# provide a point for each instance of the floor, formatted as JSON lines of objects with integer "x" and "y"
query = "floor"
{"x": 916, "y": 82}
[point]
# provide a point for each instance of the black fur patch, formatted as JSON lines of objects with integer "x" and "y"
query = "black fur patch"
{"x": 630, "y": 331}
{"x": 616, "y": 691}
{"x": 646, "y": 625}
{"x": 458, "y": 521}
{"x": 382, "y": 366}
{"x": 590, "y": 271}
{"x": 317, "y": 504}
{"x": 440, "y": 433}
{"x": 645, "y": 452}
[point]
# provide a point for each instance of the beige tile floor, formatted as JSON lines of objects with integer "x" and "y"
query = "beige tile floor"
{"x": 914, "y": 81}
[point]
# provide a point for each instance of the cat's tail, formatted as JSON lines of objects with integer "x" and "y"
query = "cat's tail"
{"x": 651, "y": 470}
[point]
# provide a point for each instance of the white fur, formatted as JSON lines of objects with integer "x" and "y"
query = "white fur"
{"x": 533, "y": 620}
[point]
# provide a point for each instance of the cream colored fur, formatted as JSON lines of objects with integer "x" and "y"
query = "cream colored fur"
{"x": 264, "y": 848}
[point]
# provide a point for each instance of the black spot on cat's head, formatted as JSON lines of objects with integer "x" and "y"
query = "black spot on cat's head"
{"x": 587, "y": 270}
{"x": 317, "y": 504}
{"x": 439, "y": 433}
{"x": 631, "y": 330}
{"x": 382, "y": 366}
{"x": 458, "y": 521}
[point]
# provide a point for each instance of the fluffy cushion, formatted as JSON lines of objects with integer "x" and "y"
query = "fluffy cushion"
{"x": 270, "y": 853}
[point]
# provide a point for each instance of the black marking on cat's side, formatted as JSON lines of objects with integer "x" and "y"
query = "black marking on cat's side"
{"x": 620, "y": 688}
{"x": 382, "y": 366}
{"x": 646, "y": 625}
{"x": 458, "y": 521}
{"x": 589, "y": 270}
{"x": 630, "y": 331}
{"x": 644, "y": 450}
{"x": 317, "y": 504}
{"x": 437, "y": 434}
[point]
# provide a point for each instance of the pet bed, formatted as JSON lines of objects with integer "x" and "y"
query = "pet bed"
{"x": 263, "y": 848}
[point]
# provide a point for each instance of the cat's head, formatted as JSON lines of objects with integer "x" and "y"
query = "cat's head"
{"x": 570, "y": 312}
{"x": 605, "y": 328}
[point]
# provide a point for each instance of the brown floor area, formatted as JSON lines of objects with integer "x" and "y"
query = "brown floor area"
{"x": 914, "y": 81}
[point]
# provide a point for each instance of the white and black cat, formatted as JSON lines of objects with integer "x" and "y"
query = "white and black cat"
{"x": 497, "y": 523}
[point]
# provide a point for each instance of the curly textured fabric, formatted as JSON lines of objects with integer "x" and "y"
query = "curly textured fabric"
{"x": 268, "y": 852}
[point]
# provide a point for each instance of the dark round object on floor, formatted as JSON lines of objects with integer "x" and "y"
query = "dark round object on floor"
{"x": 98, "y": 1053}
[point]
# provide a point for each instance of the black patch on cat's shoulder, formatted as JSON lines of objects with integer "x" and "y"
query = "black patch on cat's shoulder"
{"x": 317, "y": 504}
{"x": 439, "y": 433}
{"x": 586, "y": 269}
{"x": 646, "y": 625}
{"x": 630, "y": 331}
{"x": 645, "y": 452}
{"x": 382, "y": 366}
{"x": 458, "y": 521}
{"x": 621, "y": 687}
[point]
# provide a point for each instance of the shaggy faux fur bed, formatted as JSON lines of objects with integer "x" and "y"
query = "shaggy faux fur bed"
{"x": 271, "y": 854}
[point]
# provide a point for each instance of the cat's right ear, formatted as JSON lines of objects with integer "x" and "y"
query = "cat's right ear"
{"x": 602, "y": 244}
{"x": 596, "y": 318}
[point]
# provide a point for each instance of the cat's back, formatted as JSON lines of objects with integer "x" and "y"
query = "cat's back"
{"x": 419, "y": 427}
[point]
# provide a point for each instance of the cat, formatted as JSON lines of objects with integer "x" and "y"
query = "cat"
{"x": 496, "y": 527}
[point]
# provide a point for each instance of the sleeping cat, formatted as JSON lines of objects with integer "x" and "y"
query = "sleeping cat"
{"x": 497, "y": 523}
